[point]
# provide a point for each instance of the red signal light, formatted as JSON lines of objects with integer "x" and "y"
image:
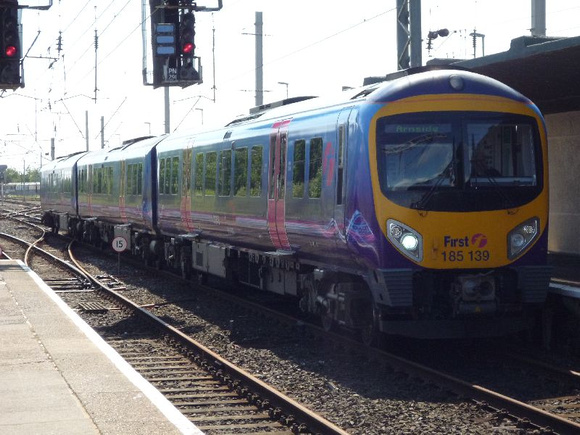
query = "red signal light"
{"x": 10, "y": 51}
{"x": 188, "y": 47}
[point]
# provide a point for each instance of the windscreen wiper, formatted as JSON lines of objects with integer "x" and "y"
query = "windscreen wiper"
{"x": 446, "y": 173}
{"x": 503, "y": 194}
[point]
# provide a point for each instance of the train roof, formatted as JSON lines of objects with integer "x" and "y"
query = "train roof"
{"x": 421, "y": 80}
{"x": 63, "y": 162}
{"x": 133, "y": 148}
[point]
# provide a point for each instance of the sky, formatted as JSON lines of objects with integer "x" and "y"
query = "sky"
{"x": 315, "y": 47}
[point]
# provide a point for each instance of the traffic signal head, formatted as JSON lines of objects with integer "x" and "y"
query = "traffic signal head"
{"x": 9, "y": 47}
{"x": 187, "y": 35}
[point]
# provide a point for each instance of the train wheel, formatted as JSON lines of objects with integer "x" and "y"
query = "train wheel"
{"x": 370, "y": 333}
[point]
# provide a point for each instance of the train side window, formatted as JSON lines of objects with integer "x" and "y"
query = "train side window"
{"x": 256, "y": 171}
{"x": 93, "y": 180}
{"x": 339, "y": 176}
{"x": 161, "y": 175}
{"x": 282, "y": 167}
{"x": 272, "y": 166}
{"x": 225, "y": 178}
{"x": 134, "y": 173}
{"x": 241, "y": 172}
{"x": 174, "y": 175}
{"x": 104, "y": 181}
{"x": 130, "y": 179}
{"x": 210, "y": 173}
{"x": 139, "y": 178}
{"x": 315, "y": 168}
{"x": 167, "y": 183}
{"x": 99, "y": 188}
{"x": 111, "y": 180}
{"x": 298, "y": 169}
{"x": 81, "y": 181}
{"x": 199, "y": 174}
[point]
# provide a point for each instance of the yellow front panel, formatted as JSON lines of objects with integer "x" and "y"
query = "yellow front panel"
{"x": 459, "y": 239}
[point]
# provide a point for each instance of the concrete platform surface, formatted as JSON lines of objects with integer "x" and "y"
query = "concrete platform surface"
{"x": 57, "y": 376}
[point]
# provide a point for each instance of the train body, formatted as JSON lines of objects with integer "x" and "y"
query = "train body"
{"x": 417, "y": 206}
{"x": 29, "y": 188}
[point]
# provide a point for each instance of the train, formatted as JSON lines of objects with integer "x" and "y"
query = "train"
{"x": 29, "y": 188}
{"x": 415, "y": 206}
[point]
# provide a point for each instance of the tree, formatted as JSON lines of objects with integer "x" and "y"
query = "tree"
{"x": 13, "y": 176}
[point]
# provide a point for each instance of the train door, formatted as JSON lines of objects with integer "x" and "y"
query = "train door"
{"x": 341, "y": 151}
{"x": 277, "y": 186}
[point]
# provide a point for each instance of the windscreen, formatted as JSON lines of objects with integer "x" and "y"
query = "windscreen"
{"x": 459, "y": 160}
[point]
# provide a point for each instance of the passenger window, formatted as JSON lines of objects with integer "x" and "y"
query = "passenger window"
{"x": 161, "y": 175}
{"x": 315, "y": 168}
{"x": 225, "y": 179}
{"x": 272, "y": 166}
{"x": 130, "y": 179}
{"x": 111, "y": 180}
{"x": 241, "y": 172}
{"x": 139, "y": 178}
{"x": 100, "y": 180}
{"x": 199, "y": 174}
{"x": 256, "y": 171}
{"x": 298, "y": 169}
{"x": 174, "y": 175}
{"x": 340, "y": 174}
{"x": 210, "y": 173}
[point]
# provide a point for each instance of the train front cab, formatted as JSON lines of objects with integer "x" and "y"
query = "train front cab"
{"x": 460, "y": 188}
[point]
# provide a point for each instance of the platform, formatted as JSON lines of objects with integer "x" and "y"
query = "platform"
{"x": 566, "y": 275}
{"x": 57, "y": 376}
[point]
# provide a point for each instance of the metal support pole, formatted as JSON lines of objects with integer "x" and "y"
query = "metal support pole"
{"x": 102, "y": 132}
{"x": 415, "y": 14}
{"x": 538, "y": 18}
{"x": 167, "y": 111}
{"x": 259, "y": 61}
{"x": 87, "y": 128}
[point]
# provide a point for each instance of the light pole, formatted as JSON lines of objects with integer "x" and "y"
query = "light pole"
{"x": 201, "y": 110}
{"x": 284, "y": 84}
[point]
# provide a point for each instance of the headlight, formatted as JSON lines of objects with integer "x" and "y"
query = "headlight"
{"x": 406, "y": 239}
{"x": 522, "y": 236}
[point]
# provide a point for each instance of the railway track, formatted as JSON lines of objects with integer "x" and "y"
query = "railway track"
{"x": 212, "y": 392}
{"x": 508, "y": 412}
{"x": 518, "y": 414}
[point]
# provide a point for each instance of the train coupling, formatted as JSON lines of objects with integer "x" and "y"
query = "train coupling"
{"x": 474, "y": 294}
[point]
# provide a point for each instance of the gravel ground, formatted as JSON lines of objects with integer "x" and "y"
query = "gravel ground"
{"x": 361, "y": 396}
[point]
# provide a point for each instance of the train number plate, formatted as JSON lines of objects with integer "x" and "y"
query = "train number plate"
{"x": 461, "y": 255}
